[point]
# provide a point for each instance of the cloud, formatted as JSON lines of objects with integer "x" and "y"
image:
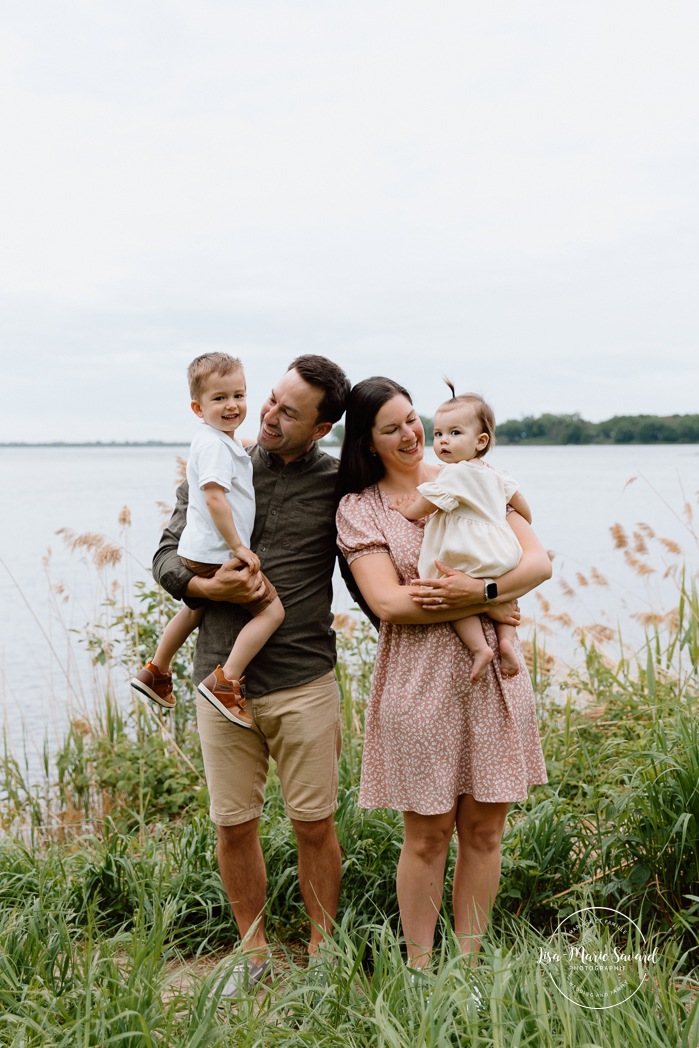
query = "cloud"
{"x": 506, "y": 191}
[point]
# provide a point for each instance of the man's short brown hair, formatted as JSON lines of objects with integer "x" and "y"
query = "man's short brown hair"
{"x": 330, "y": 378}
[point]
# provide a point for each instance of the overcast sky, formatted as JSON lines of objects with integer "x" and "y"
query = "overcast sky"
{"x": 505, "y": 192}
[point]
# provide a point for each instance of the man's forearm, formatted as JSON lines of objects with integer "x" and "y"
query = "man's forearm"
{"x": 168, "y": 570}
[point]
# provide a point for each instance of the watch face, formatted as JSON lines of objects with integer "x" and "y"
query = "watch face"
{"x": 491, "y": 591}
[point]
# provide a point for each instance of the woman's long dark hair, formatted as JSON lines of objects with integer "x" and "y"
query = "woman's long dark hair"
{"x": 359, "y": 468}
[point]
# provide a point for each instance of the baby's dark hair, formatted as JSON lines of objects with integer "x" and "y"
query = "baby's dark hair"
{"x": 485, "y": 415}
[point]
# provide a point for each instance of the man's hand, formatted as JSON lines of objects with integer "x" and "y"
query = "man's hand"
{"x": 233, "y": 582}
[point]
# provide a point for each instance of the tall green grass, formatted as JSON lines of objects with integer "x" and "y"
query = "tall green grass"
{"x": 115, "y": 930}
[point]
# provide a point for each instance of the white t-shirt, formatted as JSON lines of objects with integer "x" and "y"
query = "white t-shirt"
{"x": 215, "y": 458}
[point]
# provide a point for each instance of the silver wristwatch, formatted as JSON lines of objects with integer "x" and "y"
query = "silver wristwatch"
{"x": 490, "y": 590}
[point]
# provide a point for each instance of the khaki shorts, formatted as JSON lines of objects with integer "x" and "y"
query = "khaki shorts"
{"x": 254, "y": 607}
{"x": 300, "y": 728}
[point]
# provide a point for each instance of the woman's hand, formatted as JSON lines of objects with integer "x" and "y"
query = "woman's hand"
{"x": 454, "y": 589}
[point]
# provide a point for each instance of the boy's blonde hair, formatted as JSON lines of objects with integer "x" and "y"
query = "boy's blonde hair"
{"x": 485, "y": 416}
{"x": 202, "y": 368}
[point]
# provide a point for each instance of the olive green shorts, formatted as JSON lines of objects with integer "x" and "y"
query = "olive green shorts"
{"x": 299, "y": 728}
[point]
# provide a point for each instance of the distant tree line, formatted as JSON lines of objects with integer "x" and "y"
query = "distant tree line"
{"x": 622, "y": 429}
{"x": 572, "y": 429}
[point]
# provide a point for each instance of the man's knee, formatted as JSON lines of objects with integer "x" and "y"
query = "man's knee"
{"x": 316, "y": 834}
{"x": 233, "y": 838}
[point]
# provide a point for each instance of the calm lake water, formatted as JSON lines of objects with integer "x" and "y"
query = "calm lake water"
{"x": 48, "y": 598}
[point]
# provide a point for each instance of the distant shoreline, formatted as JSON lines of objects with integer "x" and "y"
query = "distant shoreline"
{"x": 113, "y": 444}
{"x": 96, "y": 444}
{"x": 502, "y": 442}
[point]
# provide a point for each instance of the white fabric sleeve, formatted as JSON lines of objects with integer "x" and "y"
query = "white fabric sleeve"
{"x": 215, "y": 465}
{"x": 435, "y": 493}
{"x": 509, "y": 483}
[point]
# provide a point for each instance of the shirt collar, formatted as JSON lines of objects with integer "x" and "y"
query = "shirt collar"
{"x": 297, "y": 465}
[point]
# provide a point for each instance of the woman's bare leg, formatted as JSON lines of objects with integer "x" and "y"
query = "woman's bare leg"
{"x": 479, "y": 829}
{"x": 420, "y": 880}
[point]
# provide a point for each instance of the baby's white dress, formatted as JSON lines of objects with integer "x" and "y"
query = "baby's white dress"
{"x": 469, "y": 532}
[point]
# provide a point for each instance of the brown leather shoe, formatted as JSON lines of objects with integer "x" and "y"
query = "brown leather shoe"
{"x": 228, "y": 696}
{"x": 155, "y": 685}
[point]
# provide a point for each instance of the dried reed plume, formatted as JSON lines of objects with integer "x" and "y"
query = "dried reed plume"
{"x": 639, "y": 544}
{"x": 563, "y": 619}
{"x": 566, "y": 589}
{"x": 582, "y": 581}
{"x": 181, "y": 471}
{"x": 598, "y": 578}
{"x": 125, "y": 517}
{"x": 103, "y": 552}
{"x": 545, "y": 662}
{"x": 672, "y": 547}
{"x": 657, "y": 618}
{"x": 165, "y": 511}
{"x": 638, "y": 566}
{"x": 344, "y": 623}
{"x": 600, "y": 634}
{"x": 647, "y": 530}
{"x": 621, "y": 539}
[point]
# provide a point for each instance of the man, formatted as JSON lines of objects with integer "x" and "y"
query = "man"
{"x": 291, "y": 686}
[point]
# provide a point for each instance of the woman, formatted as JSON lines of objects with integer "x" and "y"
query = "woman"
{"x": 448, "y": 753}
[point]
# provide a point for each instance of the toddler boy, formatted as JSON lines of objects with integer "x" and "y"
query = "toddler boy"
{"x": 220, "y": 518}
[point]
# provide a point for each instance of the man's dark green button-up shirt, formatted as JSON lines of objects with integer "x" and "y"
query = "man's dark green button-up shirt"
{"x": 295, "y": 538}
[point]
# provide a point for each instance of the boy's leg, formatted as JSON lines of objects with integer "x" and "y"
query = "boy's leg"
{"x": 252, "y": 639}
{"x": 224, "y": 687}
{"x": 470, "y": 632}
{"x": 155, "y": 680}
{"x": 177, "y": 631}
{"x": 508, "y": 655}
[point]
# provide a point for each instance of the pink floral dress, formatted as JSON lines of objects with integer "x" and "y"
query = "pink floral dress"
{"x": 432, "y": 735}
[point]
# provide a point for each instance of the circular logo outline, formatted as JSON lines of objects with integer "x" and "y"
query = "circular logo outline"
{"x": 595, "y": 910}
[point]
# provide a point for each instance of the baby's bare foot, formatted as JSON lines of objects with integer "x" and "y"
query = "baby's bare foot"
{"x": 508, "y": 659}
{"x": 482, "y": 658}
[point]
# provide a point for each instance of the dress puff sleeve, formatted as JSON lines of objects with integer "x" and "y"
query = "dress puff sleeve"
{"x": 433, "y": 491}
{"x": 509, "y": 483}
{"x": 442, "y": 491}
{"x": 358, "y": 529}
